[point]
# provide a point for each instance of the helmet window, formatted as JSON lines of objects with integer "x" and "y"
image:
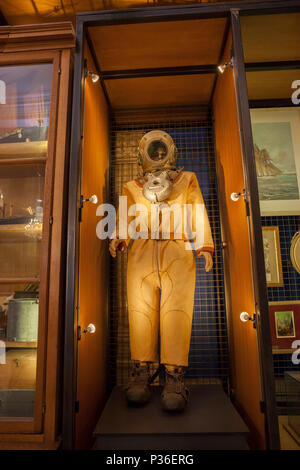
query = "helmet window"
{"x": 157, "y": 150}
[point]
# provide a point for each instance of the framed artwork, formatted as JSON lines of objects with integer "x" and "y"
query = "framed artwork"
{"x": 272, "y": 255}
{"x": 284, "y": 323}
{"x": 276, "y": 140}
{"x": 295, "y": 251}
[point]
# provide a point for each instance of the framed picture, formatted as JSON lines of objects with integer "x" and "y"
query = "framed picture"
{"x": 284, "y": 323}
{"x": 295, "y": 251}
{"x": 276, "y": 139}
{"x": 272, "y": 255}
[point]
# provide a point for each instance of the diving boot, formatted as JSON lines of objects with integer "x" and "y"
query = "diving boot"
{"x": 175, "y": 395}
{"x": 138, "y": 389}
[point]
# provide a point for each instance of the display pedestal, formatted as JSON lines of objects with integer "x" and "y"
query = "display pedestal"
{"x": 210, "y": 422}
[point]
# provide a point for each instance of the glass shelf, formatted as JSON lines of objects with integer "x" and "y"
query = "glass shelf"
{"x": 23, "y": 149}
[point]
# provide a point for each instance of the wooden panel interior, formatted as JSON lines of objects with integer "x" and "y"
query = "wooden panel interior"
{"x": 271, "y": 84}
{"x": 237, "y": 257}
{"x": 160, "y": 114}
{"x": 159, "y": 44}
{"x": 177, "y": 90}
{"x": 268, "y": 38}
{"x": 92, "y": 359}
{"x": 44, "y": 11}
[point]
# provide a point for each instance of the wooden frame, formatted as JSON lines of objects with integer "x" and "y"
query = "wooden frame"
{"x": 42, "y": 430}
{"x": 229, "y": 10}
{"x": 30, "y": 58}
{"x": 279, "y": 334}
{"x": 294, "y": 251}
{"x": 256, "y": 242}
{"x": 273, "y": 265}
{"x": 284, "y": 342}
{"x": 290, "y": 119}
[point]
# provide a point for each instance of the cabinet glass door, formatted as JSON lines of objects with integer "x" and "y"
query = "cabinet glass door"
{"x": 25, "y": 93}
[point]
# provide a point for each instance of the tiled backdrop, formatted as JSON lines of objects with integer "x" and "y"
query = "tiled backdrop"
{"x": 287, "y": 226}
{"x": 208, "y": 358}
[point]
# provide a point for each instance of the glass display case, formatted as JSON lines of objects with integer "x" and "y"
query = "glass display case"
{"x": 24, "y": 123}
{"x": 149, "y": 75}
{"x": 32, "y": 168}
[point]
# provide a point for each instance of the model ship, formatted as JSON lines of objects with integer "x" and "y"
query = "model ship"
{"x": 264, "y": 164}
{"x": 26, "y": 134}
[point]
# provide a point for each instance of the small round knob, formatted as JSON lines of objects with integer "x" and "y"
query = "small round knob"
{"x": 235, "y": 196}
{"x": 244, "y": 316}
{"x": 91, "y": 328}
{"x": 94, "y": 199}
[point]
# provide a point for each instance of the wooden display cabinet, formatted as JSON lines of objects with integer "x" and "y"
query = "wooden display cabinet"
{"x": 35, "y": 79}
{"x": 168, "y": 57}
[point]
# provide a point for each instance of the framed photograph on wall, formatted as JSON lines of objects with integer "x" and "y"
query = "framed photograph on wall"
{"x": 284, "y": 323}
{"x": 272, "y": 255}
{"x": 276, "y": 140}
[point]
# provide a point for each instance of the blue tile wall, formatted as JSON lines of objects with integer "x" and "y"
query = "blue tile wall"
{"x": 287, "y": 226}
{"x": 208, "y": 352}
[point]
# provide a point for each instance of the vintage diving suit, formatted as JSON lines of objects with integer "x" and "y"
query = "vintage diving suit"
{"x": 161, "y": 266}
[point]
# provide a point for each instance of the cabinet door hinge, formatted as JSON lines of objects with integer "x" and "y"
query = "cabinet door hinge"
{"x": 43, "y": 409}
{"x": 247, "y": 207}
{"x": 59, "y": 71}
{"x": 80, "y": 208}
{"x": 79, "y": 331}
{"x": 76, "y": 406}
{"x": 51, "y": 220}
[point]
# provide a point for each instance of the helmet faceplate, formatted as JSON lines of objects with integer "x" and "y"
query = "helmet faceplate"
{"x": 157, "y": 151}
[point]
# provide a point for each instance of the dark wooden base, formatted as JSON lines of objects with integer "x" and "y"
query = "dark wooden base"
{"x": 210, "y": 422}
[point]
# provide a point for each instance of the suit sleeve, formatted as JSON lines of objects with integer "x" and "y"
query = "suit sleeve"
{"x": 202, "y": 237}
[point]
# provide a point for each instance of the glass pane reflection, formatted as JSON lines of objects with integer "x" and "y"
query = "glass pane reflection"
{"x": 18, "y": 342}
{"x": 21, "y": 218}
{"x": 25, "y": 93}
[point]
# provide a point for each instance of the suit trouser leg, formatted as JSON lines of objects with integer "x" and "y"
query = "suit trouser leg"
{"x": 143, "y": 295}
{"x": 178, "y": 275}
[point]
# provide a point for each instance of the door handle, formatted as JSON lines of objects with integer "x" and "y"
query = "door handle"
{"x": 235, "y": 196}
{"x": 245, "y": 317}
{"x": 90, "y": 329}
{"x": 93, "y": 199}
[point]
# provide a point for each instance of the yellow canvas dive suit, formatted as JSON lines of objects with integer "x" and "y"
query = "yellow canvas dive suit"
{"x": 161, "y": 272}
